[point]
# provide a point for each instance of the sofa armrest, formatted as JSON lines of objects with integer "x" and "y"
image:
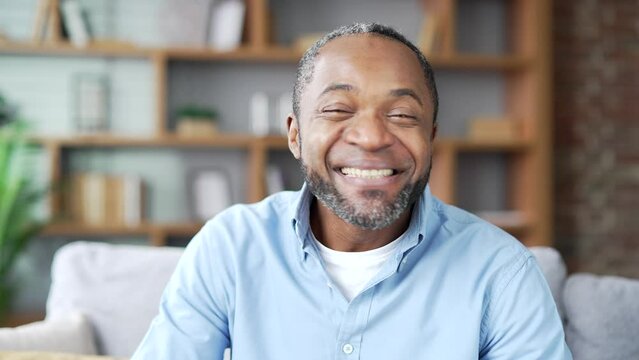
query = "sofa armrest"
{"x": 554, "y": 270}
{"x": 70, "y": 333}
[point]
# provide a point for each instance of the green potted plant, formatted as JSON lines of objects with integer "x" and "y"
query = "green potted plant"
{"x": 18, "y": 198}
{"x": 195, "y": 120}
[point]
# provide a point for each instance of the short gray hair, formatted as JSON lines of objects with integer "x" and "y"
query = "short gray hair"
{"x": 306, "y": 65}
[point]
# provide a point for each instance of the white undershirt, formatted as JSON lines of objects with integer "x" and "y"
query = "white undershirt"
{"x": 351, "y": 271}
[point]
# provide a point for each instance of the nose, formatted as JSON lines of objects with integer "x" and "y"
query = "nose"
{"x": 369, "y": 132}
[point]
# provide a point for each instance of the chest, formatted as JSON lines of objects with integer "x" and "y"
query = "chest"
{"x": 414, "y": 313}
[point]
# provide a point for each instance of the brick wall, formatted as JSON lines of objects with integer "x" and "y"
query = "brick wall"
{"x": 596, "y": 110}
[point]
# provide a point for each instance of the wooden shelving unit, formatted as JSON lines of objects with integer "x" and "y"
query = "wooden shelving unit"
{"x": 525, "y": 68}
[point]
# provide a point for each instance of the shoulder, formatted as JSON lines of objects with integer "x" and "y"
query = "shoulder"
{"x": 479, "y": 245}
{"x": 250, "y": 225}
{"x": 272, "y": 210}
{"x": 474, "y": 231}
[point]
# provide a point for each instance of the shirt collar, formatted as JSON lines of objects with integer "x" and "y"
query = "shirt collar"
{"x": 300, "y": 220}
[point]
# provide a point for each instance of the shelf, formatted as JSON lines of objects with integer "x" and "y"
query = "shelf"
{"x": 479, "y": 62}
{"x": 511, "y": 221}
{"x": 267, "y": 54}
{"x": 221, "y": 140}
{"x": 275, "y": 142}
{"x": 64, "y": 49}
{"x": 249, "y": 54}
{"x": 76, "y": 229}
{"x": 469, "y": 145}
{"x": 237, "y": 140}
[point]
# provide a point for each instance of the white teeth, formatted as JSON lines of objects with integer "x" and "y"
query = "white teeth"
{"x": 367, "y": 173}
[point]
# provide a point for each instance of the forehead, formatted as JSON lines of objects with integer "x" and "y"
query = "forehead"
{"x": 368, "y": 58}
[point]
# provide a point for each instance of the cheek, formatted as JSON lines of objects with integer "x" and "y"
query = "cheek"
{"x": 317, "y": 142}
{"x": 419, "y": 148}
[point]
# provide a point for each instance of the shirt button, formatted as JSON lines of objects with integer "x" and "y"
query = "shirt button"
{"x": 347, "y": 349}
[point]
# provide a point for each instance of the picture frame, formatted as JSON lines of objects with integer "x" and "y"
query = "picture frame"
{"x": 91, "y": 102}
{"x": 209, "y": 192}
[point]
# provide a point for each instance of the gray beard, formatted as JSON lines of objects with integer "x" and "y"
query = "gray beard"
{"x": 377, "y": 213}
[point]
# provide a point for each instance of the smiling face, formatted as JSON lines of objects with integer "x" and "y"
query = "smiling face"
{"x": 365, "y": 129}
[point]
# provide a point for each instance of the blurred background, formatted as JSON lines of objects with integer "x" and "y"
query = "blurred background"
{"x": 145, "y": 118}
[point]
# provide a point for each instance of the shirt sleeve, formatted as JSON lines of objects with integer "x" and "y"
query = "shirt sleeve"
{"x": 192, "y": 321}
{"x": 522, "y": 321}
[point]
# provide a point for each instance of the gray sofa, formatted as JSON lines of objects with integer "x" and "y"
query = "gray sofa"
{"x": 600, "y": 313}
{"x": 103, "y": 298}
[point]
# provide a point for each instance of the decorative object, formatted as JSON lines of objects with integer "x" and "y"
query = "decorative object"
{"x": 18, "y": 198}
{"x": 493, "y": 129}
{"x": 75, "y": 22}
{"x": 227, "y": 21}
{"x": 91, "y": 102}
{"x": 209, "y": 192}
{"x": 185, "y": 23}
{"x": 194, "y": 120}
{"x": 268, "y": 113}
{"x": 260, "y": 114}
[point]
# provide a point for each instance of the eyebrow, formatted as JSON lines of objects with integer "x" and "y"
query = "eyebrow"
{"x": 406, "y": 92}
{"x": 395, "y": 92}
{"x": 337, "y": 87}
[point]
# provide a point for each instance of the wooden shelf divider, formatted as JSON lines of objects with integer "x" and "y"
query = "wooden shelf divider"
{"x": 270, "y": 53}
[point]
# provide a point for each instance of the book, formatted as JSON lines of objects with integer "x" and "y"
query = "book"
{"x": 114, "y": 201}
{"x": 74, "y": 198}
{"x": 42, "y": 19}
{"x": 106, "y": 200}
{"x": 94, "y": 196}
{"x": 53, "y": 31}
{"x": 75, "y": 23}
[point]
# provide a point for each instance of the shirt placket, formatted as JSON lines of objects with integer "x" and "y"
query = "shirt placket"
{"x": 350, "y": 335}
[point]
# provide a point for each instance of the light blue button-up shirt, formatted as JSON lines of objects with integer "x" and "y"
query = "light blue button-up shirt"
{"x": 253, "y": 280}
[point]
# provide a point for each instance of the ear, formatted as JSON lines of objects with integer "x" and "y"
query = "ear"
{"x": 433, "y": 133}
{"x": 293, "y": 135}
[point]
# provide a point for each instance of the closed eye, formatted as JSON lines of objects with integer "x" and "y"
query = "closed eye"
{"x": 403, "y": 116}
{"x": 404, "y": 119}
{"x": 332, "y": 113}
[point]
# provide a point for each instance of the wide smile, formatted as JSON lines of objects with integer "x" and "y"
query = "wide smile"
{"x": 367, "y": 173}
{"x": 366, "y": 177}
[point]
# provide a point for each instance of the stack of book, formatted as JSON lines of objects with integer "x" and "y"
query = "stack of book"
{"x": 106, "y": 200}
{"x": 58, "y": 20}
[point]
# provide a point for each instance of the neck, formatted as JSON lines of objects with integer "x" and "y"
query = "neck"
{"x": 340, "y": 235}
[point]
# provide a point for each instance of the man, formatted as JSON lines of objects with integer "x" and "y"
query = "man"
{"x": 363, "y": 262}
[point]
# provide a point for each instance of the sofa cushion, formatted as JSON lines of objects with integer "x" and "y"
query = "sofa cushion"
{"x": 602, "y": 317}
{"x": 70, "y": 333}
{"x": 118, "y": 287}
{"x": 554, "y": 270}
